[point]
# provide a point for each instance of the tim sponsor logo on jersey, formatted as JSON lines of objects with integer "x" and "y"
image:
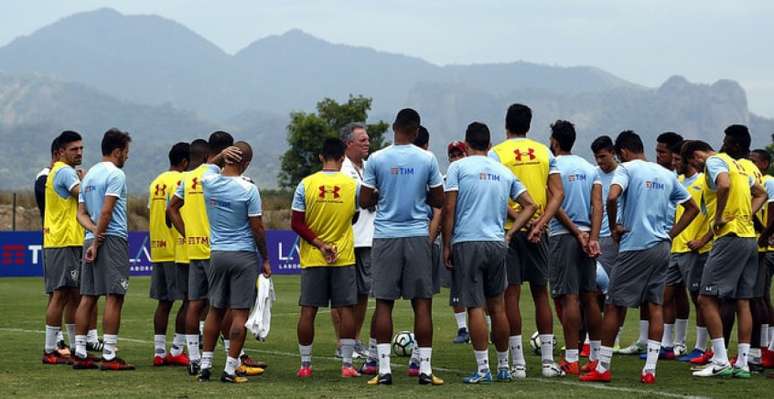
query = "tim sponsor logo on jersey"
{"x": 402, "y": 171}
{"x": 219, "y": 203}
{"x": 576, "y": 177}
{"x": 654, "y": 185}
{"x": 488, "y": 176}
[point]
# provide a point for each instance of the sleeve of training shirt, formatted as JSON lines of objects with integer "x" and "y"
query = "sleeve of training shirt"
{"x": 299, "y": 198}
{"x": 180, "y": 191}
{"x": 597, "y": 177}
{"x": 116, "y": 183}
{"x": 715, "y": 166}
{"x": 369, "y": 174}
{"x": 254, "y": 208}
{"x": 452, "y": 178}
{"x": 210, "y": 172}
{"x": 679, "y": 193}
{"x": 517, "y": 188}
{"x": 769, "y": 186}
{"x": 493, "y": 155}
{"x": 552, "y": 168}
{"x": 621, "y": 178}
{"x": 65, "y": 180}
{"x": 434, "y": 179}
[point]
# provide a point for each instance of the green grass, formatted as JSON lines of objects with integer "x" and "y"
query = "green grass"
{"x": 22, "y": 307}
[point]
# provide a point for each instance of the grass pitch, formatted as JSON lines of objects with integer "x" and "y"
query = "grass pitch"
{"x": 22, "y": 307}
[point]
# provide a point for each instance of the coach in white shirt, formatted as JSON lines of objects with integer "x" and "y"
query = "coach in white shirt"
{"x": 355, "y": 136}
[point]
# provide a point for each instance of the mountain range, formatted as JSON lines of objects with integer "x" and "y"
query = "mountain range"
{"x": 163, "y": 83}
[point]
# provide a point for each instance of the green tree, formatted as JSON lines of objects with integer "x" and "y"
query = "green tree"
{"x": 307, "y": 131}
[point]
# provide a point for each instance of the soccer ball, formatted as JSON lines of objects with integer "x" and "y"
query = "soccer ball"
{"x": 534, "y": 343}
{"x": 403, "y": 343}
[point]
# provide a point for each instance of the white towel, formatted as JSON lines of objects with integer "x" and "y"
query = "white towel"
{"x": 259, "y": 322}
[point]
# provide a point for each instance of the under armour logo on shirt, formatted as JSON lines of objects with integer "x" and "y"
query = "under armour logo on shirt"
{"x": 161, "y": 189}
{"x": 334, "y": 190}
{"x": 530, "y": 153}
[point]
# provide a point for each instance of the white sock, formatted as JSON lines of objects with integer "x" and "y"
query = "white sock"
{"x": 605, "y": 358}
{"x": 571, "y": 355}
{"x": 160, "y": 345}
{"x": 80, "y": 346}
{"x": 517, "y": 350}
{"x": 547, "y": 348}
{"x": 755, "y": 356}
{"x": 666, "y": 339}
{"x": 720, "y": 355}
{"x": 306, "y": 354}
{"x": 178, "y": 344}
{"x": 743, "y": 356}
{"x": 111, "y": 343}
{"x": 502, "y": 360}
{"x": 702, "y": 336}
{"x": 192, "y": 341}
{"x": 460, "y": 318}
{"x": 764, "y": 335}
{"x": 347, "y": 347}
{"x": 425, "y": 354}
{"x": 231, "y": 365}
{"x": 201, "y": 327}
{"x": 50, "y": 342}
{"x": 372, "y": 354}
{"x": 771, "y": 336}
{"x": 618, "y": 336}
{"x": 92, "y": 336}
{"x": 414, "y": 359}
{"x": 226, "y": 345}
{"x": 482, "y": 361}
{"x": 654, "y": 347}
{"x": 681, "y": 331}
{"x": 71, "y": 334}
{"x": 207, "y": 360}
{"x": 383, "y": 351}
{"x": 595, "y": 345}
{"x": 587, "y": 340}
{"x": 59, "y": 335}
{"x": 488, "y": 322}
{"x": 644, "y": 325}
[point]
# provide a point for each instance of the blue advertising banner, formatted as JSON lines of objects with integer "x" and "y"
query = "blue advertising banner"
{"x": 21, "y": 253}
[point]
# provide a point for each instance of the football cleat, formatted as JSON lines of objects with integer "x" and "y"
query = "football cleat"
{"x": 596, "y": 376}
{"x": 87, "y": 363}
{"x": 97, "y": 346}
{"x": 741, "y": 372}
{"x": 692, "y": 355}
{"x": 634, "y": 349}
{"x": 245, "y": 371}
{"x": 589, "y": 366}
{"x": 478, "y": 378}
{"x": 504, "y": 375}
{"x": 381, "y": 379}
{"x": 63, "y": 349}
{"x": 360, "y": 352}
{"x": 159, "y": 361}
{"x": 304, "y": 372}
{"x": 663, "y": 354}
{"x": 551, "y": 370}
{"x": 679, "y": 349}
{"x": 204, "y": 375}
{"x": 586, "y": 350}
{"x": 232, "y": 378}
{"x": 703, "y": 359}
{"x": 55, "y": 357}
{"x": 463, "y": 337}
{"x": 116, "y": 364}
{"x": 715, "y": 370}
{"x": 413, "y": 370}
{"x": 430, "y": 379}
{"x": 193, "y": 367}
{"x": 767, "y": 358}
{"x": 572, "y": 368}
{"x": 349, "y": 372}
{"x": 250, "y": 362}
{"x": 648, "y": 378}
{"x": 370, "y": 367}
{"x": 519, "y": 371}
{"x": 179, "y": 360}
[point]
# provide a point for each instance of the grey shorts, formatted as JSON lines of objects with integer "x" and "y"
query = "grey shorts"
{"x": 198, "y": 285}
{"x": 325, "y": 286}
{"x": 109, "y": 274}
{"x": 731, "y": 269}
{"x": 438, "y": 267}
{"x": 479, "y": 272}
{"x": 527, "y": 261}
{"x": 609, "y": 249}
{"x": 402, "y": 267}
{"x": 762, "y": 278}
{"x": 639, "y": 276}
{"x": 181, "y": 282}
{"x": 363, "y": 270}
{"x": 572, "y": 271}
{"x": 163, "y": 286}
{"x": 232, "y": 277}
{"x": 62, "y": 268}
{"x": 689, "y": 266}
{"x": 674, "y": 275}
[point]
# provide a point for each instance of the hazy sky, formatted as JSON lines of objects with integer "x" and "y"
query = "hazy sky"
{"x": 642, "y": 41}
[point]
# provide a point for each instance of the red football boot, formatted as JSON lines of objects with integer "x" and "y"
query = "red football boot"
{"x": 596, "y": 376}
{"x": 648, "y": 378}
{"x": 55, "y": 357}
{"x": 588, "y": 367}
{"x": 572, "y": 368}
{"x": 116, "y": 364}
{"x": 585, "y": 351}
{"x": 179, "y": 360}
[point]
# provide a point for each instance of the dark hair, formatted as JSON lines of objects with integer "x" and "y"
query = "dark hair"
{"x": 602, "y": 143}
{"x": 178, "y": 153}
{"x": 628, "y": 140}
{"x": 114, "y": 139}
{"x": 564, "y": 134}
{"x": 199, "y": 150}
{"x": 477, "y": 136}
{"x": 67, "y": 137}
{"x": 333, "y": 149}
{"x": 219, "y": 141}
{"x": 739, "y": 136}
{"x": 55, "y": 146}
{"x": 518, "y": 119}
{"x": 677, "y": 147}
{"x": 691, "y": 146}
{"x": 669, "y": 138}
{"x": 406, "y": 119}
{"x": 763, "y": 154}
{"x": 423, "y": 137}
